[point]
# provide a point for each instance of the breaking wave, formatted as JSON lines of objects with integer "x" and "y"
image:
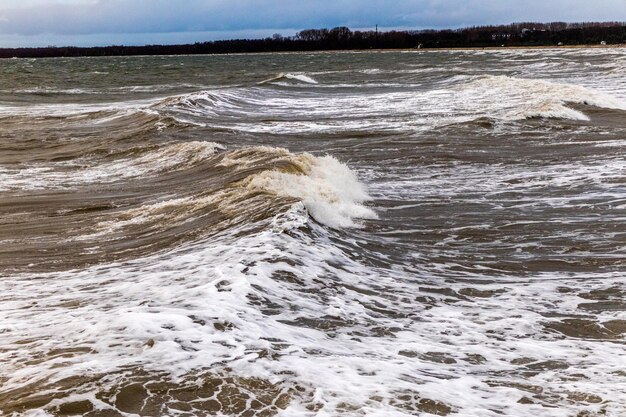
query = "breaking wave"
{"x": 533, "y": 98}
{"x": 329, "y": 190}
{"x": 302, "y": 78}
{"x": 176, "y": 192}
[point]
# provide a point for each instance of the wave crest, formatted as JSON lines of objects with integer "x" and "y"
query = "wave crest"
{"x": 242, "y": 187}
{"x": 201, "y": 103}
{"x": 130, "y": 163}
{"x": 541, "y": 99}
{"x": 291, "y": 76}
{"x": 329, "y": 189}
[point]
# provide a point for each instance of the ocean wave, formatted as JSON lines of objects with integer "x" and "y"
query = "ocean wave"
{"x": 76, "y": 109}
{"x": 299, "y": 77}
{"x": 111, "y": 90}
{"x": 248, "y": 184}
{"x": 533, "y": 98}
{"x": 329, "y": 189}
{"x": 129, "y": 163}
{"x": 155, "y": 88}
{"x": 204, "y": 103}
{"x": 54, "y": 90}
{"x": 547, "y": 110}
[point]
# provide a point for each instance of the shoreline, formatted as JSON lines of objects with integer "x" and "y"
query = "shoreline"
{"x": 339, "y": 51}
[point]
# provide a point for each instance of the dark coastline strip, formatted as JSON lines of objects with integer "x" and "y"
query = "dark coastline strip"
{"x": 342, "y": 38}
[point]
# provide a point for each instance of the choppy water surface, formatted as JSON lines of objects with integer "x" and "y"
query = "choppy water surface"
{"x": 380, "y": 234}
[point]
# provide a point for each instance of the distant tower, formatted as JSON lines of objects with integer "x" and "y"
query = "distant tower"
{"x": 376, "y": 28}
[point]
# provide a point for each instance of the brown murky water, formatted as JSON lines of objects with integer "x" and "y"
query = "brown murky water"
{"x": 314, "y": 234}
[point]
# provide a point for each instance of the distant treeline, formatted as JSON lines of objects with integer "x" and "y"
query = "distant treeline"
{"x": 342, "y": 38}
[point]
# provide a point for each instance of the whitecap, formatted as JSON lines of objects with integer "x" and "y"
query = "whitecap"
{"x": 519, "y": 98}
{"x": 291, "y": 76}
{"x": 329, "y": 189}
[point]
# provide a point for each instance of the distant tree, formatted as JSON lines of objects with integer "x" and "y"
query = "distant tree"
{"x": 312, "y": 35}
{"x": 525, "y": 33}
{"x": 341, "y": 33}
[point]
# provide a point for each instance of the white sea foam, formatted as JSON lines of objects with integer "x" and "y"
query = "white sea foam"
{"x": 458, "y": 99}
{"x": 120, "y": 109}
{"x": 303, "y": 78}
{"x": 548, "y": 110}
{"x": 52, "y": 90}
{"x": 117, "y": 308}
{"x": 300, "y": 77}
{"x": 295, "y": 218}
{"x": 537, "y": 98}
{"x": 455, "y": 99}
{"x": 211, "y": 104}
{"x": 330, "y": 191}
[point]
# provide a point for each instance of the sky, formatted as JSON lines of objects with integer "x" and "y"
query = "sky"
{"x": 139, "y": 22}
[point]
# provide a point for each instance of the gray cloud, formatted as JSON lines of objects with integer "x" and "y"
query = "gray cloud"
{"x": 36, "y": 18}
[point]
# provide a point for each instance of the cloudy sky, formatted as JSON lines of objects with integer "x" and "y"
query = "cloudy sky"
{"x": 105, "y": 22}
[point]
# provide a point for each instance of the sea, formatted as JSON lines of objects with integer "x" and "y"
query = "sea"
{"x": 375, "y": 233}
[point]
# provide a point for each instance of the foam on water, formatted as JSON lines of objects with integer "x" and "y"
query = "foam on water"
{"x": 538, "y": 98}
{"x": 52, "y": 90}
{"x": 300, "y": 77}
{"x": 458, "y": 99}
{"x": 548, "y": 110}
{"x": 329, "y": 190}
{"x": 206, "y": 103}
{"x": 484, "y": 276}
{"x": 377, "y": 359}
{"x": 303, "y": 78}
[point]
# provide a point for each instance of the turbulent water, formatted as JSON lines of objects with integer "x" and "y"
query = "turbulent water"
{"x": 355, "y": 234}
